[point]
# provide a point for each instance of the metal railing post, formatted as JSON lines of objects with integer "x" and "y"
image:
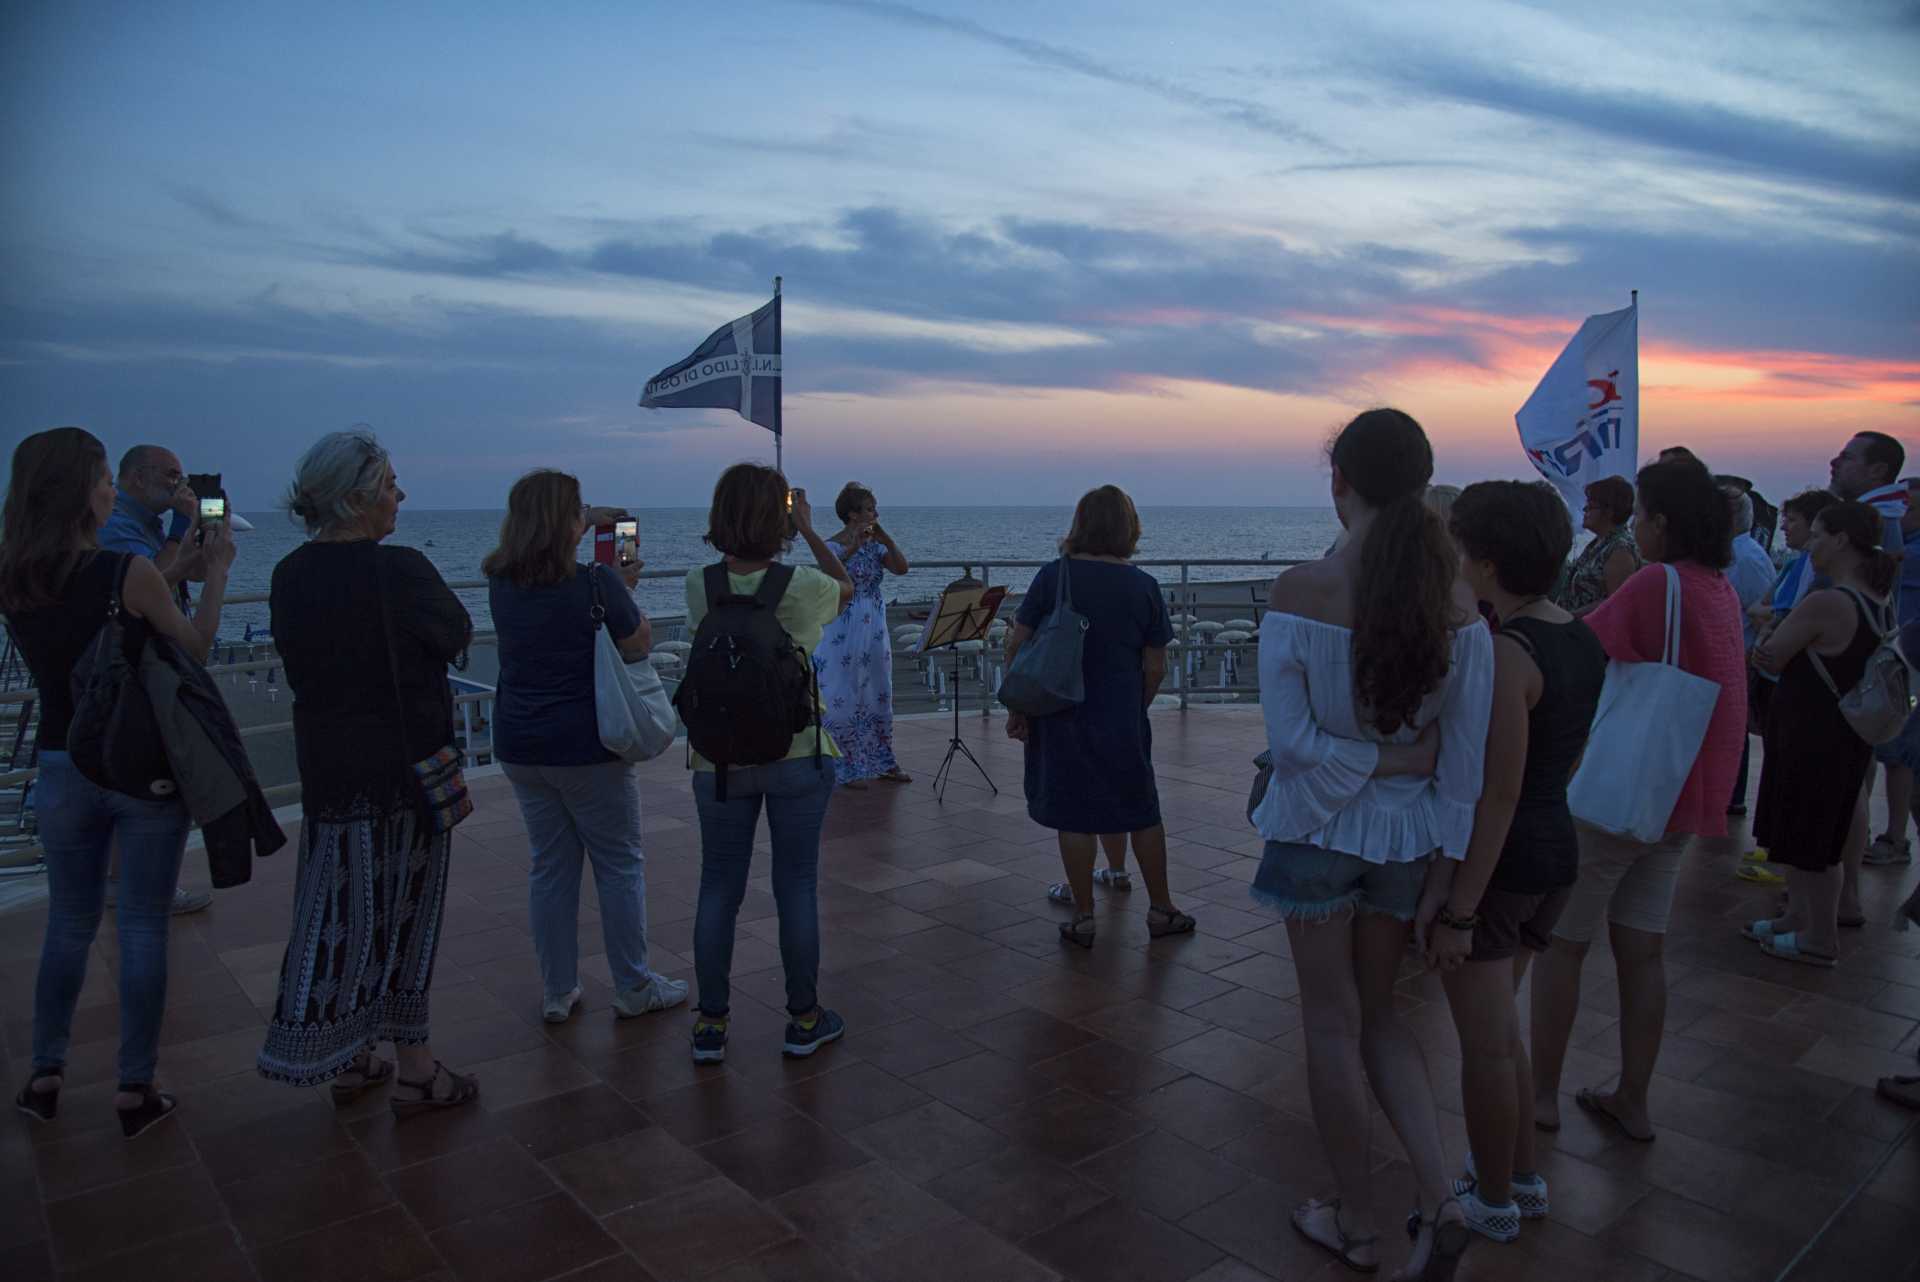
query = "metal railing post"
{"x": 986, "y": 695}
{"x": 1185, "y": 634}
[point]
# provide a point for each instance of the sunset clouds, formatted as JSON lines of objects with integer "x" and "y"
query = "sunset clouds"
{"x": 1019, "y": 242}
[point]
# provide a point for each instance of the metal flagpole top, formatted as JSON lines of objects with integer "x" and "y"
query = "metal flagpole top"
{"x": 1636, "y": 293}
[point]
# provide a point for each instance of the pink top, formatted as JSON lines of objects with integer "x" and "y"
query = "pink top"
{"x": 1631, "y": 624}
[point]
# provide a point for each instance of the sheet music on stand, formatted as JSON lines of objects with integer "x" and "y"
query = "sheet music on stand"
{"x": 964, "y": 613}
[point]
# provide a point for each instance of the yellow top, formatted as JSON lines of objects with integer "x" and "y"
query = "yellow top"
{"x": 811, "y": 602}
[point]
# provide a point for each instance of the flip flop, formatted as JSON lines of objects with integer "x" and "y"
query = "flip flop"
{"x": 896, "y": 775}
{"x": 1786, "y": 946}
{"x": 1759, "y": 874}
{"x": 1758, "y": 931}
{"x": 1594, "y": 1103}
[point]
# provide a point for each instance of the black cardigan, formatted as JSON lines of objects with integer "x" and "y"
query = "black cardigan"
{"x": 353, "y": 738}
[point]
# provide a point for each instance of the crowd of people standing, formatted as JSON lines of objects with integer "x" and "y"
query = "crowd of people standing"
{"x": 1428, "y": 690}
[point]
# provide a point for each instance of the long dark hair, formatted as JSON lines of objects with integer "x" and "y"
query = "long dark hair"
{"x": 1862, "y": 528}
{"x": 1699, "y": 519}
{"x": 537, "y": 546}
{"x": 49, "y": 514}
{"x": 1403, "y": 602}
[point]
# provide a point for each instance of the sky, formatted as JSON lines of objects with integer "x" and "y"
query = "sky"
{"x": 1026, "y": 248}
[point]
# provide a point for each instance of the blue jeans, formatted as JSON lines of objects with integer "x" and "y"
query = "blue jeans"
{"x": 595, "y": 810}
{"x": 79, "y": 821}
{"x": 796, "y": 794}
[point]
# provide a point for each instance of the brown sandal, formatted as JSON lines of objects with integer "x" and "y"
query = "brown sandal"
{"x": 373, "y": 1071}
{"x": 1169, "y": 921}
{"x": 1079, "y": 931}
{"x": 460, "y": 1090}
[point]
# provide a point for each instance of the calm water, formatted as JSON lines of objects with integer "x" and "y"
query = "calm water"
{"x": 456, "y": 541}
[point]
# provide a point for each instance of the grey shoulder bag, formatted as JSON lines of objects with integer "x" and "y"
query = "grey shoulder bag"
{"x": 1046, "y": 677}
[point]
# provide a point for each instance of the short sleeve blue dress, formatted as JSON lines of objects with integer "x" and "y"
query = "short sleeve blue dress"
{"x": 1090, "y": 768}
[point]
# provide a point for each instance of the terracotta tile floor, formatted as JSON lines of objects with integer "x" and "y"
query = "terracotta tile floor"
{"x": 1001, "y": 1109}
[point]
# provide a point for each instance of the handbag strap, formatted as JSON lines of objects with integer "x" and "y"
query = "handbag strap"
{"x": 1062, "y": 594}
{"x": 1670, "y": 648}
{"x": 598, "y": 612}
{"x": 393, "y": 659}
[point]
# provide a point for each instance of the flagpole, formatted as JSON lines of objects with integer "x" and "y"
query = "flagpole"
{"x": 779, "y": 384}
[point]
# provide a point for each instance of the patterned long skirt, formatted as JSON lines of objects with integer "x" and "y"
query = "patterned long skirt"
{"x": 368, "y": 902}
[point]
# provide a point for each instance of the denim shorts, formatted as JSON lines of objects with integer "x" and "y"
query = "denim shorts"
{"x": 1309, "y": 883}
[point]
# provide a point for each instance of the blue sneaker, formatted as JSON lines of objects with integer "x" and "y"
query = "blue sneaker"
{"x": 803, "y": 1041}
{"x": 709, "y": 1041}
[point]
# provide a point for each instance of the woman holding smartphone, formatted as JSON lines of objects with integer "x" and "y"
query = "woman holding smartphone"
{"x": 579, "y": 800}
{"x": 56, "y": 585}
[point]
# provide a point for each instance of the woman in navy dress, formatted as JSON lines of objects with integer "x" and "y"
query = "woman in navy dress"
{"x": 1090, "y": 768}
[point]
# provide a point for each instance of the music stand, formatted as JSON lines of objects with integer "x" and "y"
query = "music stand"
{"x": 964, "y": 613}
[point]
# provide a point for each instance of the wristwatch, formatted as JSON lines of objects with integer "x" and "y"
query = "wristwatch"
{"x": 1446, "y": 918}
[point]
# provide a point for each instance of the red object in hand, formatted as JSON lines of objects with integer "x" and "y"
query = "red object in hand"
{"x": 603, "y": 545}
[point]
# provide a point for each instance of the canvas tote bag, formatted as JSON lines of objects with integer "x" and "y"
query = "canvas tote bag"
{"x": 636, "y": 719}
{"x": 1646, "y": 736}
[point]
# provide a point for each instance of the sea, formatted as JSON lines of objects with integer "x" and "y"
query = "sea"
{"x": 670, "y": 540}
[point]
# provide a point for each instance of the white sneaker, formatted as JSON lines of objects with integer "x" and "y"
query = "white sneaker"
{"x": 557, "y": 1010}
{"x": 658, "y": 993}
{"x": 1500, "y": 1223}
{"x": 1529, "y": 1194}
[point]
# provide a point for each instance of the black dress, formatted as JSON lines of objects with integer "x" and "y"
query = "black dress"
{"x": 1542, "y": 854}
{"x": 1814, "y": 762}
{"x": 372, "y": 882}
{"x": 1090, "y": 768}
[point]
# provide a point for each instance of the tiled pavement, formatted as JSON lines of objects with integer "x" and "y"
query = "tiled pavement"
{"x": 1001, "y": 1109}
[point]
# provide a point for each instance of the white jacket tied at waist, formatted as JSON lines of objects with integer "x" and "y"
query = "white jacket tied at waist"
{"x": 1323, "y": 791}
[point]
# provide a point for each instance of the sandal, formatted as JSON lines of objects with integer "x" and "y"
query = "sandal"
{"x": 372, "y": 1070}
{"x": 1594, "y": 1103}
{"x": 1113, "y": 879}
{"x": 1786, "y": 946}
{"x": 1079, "y": 931}
{"x": 1342, "y": 1246}
{"x": 460, "y": 1090}
{"x": 1168, "y": 921}
{"x": 1450, "y": 1242}
{"x": 1060, "y": 893}
{"x": 41, "y": 1106}
{"x": 1759, "y": 931}
{"x": 896, "y": 775}
{"x": 154, "y": 1107}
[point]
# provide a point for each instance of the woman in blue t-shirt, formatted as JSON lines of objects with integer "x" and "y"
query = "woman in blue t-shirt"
{"x": 575, "y": 796}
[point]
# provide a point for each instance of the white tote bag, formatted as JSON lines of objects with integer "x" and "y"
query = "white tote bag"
{"x": 1646, "y": 736}
{"x": 629, "y": 700}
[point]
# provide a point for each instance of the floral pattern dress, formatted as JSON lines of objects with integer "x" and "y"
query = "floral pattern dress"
{"x": 855, "y": 662}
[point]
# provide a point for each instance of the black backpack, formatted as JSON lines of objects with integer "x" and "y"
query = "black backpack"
{"x": 748, "y": 687}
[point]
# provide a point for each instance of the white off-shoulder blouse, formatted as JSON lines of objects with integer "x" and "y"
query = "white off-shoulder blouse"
{"x": 1323, "y": 791}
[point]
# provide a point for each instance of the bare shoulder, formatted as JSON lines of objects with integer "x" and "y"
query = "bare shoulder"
{"x": 1466, "y": 607}
{"x": 1313, "y": 590}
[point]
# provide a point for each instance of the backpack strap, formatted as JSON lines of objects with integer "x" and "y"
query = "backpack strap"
{"x": 717, "y": 586}
{"x": 773, "y": 585}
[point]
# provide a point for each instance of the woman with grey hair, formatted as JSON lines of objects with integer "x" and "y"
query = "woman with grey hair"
{"x": 366, "y": 633}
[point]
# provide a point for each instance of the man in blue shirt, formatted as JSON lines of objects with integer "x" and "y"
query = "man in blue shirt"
{"x": 151, "y": 484}
{"x": 1902, "y": 756}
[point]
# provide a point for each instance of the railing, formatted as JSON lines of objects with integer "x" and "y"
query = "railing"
{"x": 1194, "y": 649}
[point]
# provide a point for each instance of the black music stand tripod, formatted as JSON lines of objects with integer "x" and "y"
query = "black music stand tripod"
{"x": 964, "y": 614}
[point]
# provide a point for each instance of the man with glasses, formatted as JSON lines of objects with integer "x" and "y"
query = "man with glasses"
{"x": 151, "y": 484}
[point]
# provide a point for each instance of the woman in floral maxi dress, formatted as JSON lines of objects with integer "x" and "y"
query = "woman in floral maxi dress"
{"x": 855, "y": 655}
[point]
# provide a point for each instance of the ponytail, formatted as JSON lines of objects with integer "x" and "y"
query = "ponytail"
{"x": 1401, "y": 612}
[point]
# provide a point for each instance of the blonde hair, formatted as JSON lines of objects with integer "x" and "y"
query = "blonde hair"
{"x": 1440, "y": 499}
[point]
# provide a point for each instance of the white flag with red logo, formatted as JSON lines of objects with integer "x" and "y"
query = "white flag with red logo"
{"x": 1582, "y": 422}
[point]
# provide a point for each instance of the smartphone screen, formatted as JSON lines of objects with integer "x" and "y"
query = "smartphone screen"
{"x": 626, "y": 542}
{"x": 213, "y": 509}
